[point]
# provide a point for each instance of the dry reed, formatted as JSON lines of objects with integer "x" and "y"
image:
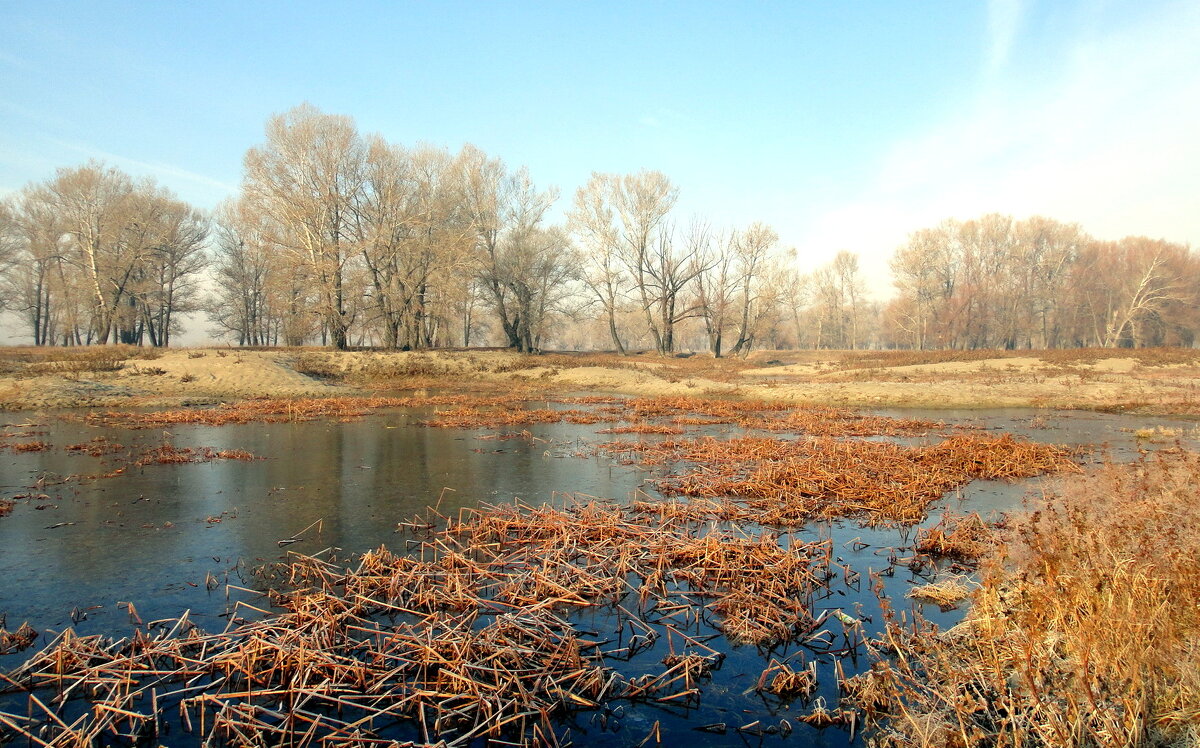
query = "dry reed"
{"x": 477, "y": 645}
{"x": 1085, "y": 631}
{"x": 790, "y": 482}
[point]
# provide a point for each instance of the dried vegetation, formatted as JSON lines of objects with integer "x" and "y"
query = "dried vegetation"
{"x": 790, "y": 482}
{"x": 1085, "y": 631}
{"x": 467, "y": 637}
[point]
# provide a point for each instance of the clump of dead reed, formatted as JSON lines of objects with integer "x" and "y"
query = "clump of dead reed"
{"x": 1085, "y": 630}
{"x": 642, "y": 427}
{"x": 34, "y": 446}
{"x": 464, "y": 639}
{"x": 168, "y": 454}
{"x": 782, "y": 680}
{"x": 963, "y": 537}
{"x": 492, "y": 416}
{"x": 790, "y": 482}
{"x": 945, "y": 593}
{"x": 16, "y": 641}
{"x": 96, "y": 447}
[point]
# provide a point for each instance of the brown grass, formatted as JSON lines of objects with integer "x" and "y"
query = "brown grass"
{"x": 270, "y": 410}
{"x": 96, "y": 447}
{"x": 847, "y": 360}
{"x": 1085, "y": 631}
{"x": 945, "y": 593}
{"x": 16, "y": 641}
{"x": 22, "y": 361}
{"x": 168, "y": 454}
{"x": 965, "y": 537}
{"x": 493, "y": 411}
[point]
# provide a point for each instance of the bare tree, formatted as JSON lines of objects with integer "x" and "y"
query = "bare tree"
{"x": 716, "y": 283}
{"x": 243, "y": 270}
{"x": 591, "y": 222}
{"x": 35, "y": 284}
{"x": 751, "y": 248}
{"x": 1143, "y": 278}
{"x": 628, "y": 215}
{"x": 172, "y": 269}
{"x": 411, "y": 227}
{"x": 10, "y": 241}
{"x": 307, "y": 177}
{"x": 105, "y": 245}
{"x": 506, "y": 213}
{"x": 535, "y": 269}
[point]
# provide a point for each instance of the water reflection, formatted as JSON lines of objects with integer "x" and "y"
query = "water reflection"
{"x": 152, "y": 533}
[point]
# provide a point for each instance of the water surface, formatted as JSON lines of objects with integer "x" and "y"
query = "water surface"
{"x": 170, "y": 537}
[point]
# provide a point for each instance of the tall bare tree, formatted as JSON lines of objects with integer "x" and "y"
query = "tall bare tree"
{"x": 592, "y": 223}
{"x": 716, "y": 284}
{"x": 307, "y": 177}
{"x": 170, "y": 275}
{"x": 751, "y": 248}
{"x": 512, "y": 248}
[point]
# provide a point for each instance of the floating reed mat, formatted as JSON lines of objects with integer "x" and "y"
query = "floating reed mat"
{"x": 789, "y": 482}
{"x": 643, "y": 415}
{"x": 277, "y": 410}
{"x": 668, "y": 416}
{"x": 479, "y": 631}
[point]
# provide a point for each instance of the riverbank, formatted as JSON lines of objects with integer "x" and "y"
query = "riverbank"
{"x": 1158, "y": 381}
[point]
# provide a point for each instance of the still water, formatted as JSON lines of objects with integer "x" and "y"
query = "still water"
{"x": 169, "y": 538}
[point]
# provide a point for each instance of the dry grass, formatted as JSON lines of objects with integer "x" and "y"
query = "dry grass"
{"x": 496, "y": 411}
{"x": 22, "y": 361}
{"x": 945, "y": 593}
{"x": 964, "y": 537}
{"x": 16, "y": 641}
{"x": 1085, "y": 631}
{"x": 266, "y": 410}
{"x": 848, "y": 360}
{"x": 168, "y": 454}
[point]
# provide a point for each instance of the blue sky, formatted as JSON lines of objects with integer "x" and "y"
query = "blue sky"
{"x": 844, "y": 125}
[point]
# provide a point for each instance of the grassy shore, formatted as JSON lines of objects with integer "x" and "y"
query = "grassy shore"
{"x": 1162, "y": 381}
{"x": 1085, "y": 630}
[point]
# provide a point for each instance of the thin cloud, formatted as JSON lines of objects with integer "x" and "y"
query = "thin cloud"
{"x": 1004, "y": 22}
{"x": 157, "y": 169}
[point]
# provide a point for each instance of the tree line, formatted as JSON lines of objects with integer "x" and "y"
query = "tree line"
{"x": 344, "y": 239}
{"x": 995, "y": 282}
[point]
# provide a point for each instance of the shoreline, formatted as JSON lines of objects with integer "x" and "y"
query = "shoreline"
{"x": 1150, "y": 382}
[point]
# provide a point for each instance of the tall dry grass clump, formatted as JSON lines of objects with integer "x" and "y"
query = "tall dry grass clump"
{"x": 1085, "y": 632}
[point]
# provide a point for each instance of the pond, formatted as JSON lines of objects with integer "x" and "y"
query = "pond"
{"x": 174, "y": 537}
